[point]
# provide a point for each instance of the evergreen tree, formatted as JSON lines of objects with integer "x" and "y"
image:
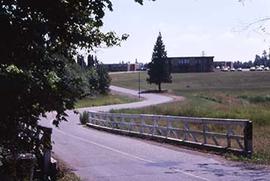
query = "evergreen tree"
{"x": 159, "y": 68}
{"x": 90, "y": 61}
{"x": 258, "y": 60}
{"x": 264, "y": 59}
{"x": 81, "y": 62}
{"x": 96, "y": 62}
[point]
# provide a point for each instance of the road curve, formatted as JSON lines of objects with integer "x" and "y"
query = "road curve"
{"x": 147, "y": 100}
{"x": 101, "y": 156}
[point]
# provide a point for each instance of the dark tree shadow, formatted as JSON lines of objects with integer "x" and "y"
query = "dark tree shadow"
{"x": 153, "y": 91}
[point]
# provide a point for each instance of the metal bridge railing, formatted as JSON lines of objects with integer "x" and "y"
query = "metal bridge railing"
{"x": 233, "y": 135}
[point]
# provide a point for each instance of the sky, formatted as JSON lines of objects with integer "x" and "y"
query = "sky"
{"x": 220, "y": 28}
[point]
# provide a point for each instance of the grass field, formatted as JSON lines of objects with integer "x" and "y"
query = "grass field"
{"x": 102, "y": 100}
{"x": 218, "y": 94}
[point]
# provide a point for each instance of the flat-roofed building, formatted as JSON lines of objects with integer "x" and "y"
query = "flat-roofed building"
{"x": 192, "y": 64}
{"x": 116, "y": 67}
{"x": 123, "y": 67}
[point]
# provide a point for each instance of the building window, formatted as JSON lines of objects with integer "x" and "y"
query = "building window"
{"x": 186, "y": 61}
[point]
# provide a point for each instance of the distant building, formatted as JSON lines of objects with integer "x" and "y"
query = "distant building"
{"x": 116, "y": 67}
{"x": 192, "y": 64}
{"x": 123, "y": 67}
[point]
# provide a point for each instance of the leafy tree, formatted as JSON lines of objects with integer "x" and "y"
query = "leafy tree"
{"x": 75, "y": 72}
{"x": 104, "y": 79}
{"x": 39, "y": 40}
{"x": 159, "y": 68}
{"x": 97, "y": 76}
{"x": 92, "y": 80}
{"x": 239, "y": 64}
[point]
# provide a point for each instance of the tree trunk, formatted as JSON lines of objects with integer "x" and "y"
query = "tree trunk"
{"x": 159, "y": 87}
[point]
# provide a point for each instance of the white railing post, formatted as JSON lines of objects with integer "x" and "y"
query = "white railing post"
{"x": 154, "y": 126}
{"x": 229, "y": 133}
{"x": 204, "y": 133}
{"x": 142, "y": 124}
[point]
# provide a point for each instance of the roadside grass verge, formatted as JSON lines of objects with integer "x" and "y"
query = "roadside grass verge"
{"x": 101, "y": 100}
{"x": 236, "y": 95}
{"x": 69, "y": 177}
{"x": 64, "y": 173}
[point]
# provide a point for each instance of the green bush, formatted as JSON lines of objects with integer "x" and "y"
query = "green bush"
{"x": 256, "y": 99}
{"x": 84, "y": 117}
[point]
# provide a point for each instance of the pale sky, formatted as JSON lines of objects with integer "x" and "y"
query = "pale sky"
{"x": 188, "y": 27}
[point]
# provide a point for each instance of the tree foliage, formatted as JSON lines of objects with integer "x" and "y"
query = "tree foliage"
{"x": 94, "y": 75}
{"x": 264, "y": 60}
{"x": 39, "y": 40}
{"x": 159, "y": 68}
{"x": 104, "y": 79}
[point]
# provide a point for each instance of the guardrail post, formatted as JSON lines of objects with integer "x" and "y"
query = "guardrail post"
{"x": 229, "y": 133}
{"x": 142, "y": 124}
{"x": 204, "y": 133}
{"x": 248, "y": 139}
{"x": 154, "y": 126}
{"x": 90, "y": 115}
{"x": 108, "y": 121}
{"x": 167, "y": 129}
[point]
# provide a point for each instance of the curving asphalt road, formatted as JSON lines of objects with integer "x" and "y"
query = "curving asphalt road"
{"x": 97, "y": 155}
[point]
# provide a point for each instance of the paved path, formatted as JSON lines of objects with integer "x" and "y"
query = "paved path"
{"x": 147, "y": 100}
{"x": 96, "y": 155}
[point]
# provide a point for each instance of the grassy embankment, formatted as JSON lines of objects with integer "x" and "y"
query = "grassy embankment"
{"x": 221, "y": 95}
{"x": 101, "y": 100}
{"x": 69, "y": 177}
{"x": 65, "y": 173}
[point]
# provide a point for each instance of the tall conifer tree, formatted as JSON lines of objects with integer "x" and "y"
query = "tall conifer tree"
{"x": 159, "y": 68}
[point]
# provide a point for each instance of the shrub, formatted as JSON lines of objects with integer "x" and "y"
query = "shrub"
{"x": 257, "y": 99}
{"x": 84, "y": 117}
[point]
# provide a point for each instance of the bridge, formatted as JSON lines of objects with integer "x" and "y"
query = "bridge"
{"x": 100, "y": 155}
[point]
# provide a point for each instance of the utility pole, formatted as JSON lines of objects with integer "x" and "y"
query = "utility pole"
{"x": 139, "y": 83}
